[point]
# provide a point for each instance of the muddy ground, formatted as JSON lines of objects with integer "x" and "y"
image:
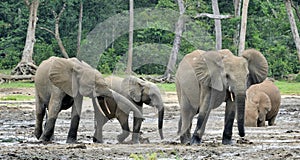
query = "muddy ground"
{"x": 17, "y": 119}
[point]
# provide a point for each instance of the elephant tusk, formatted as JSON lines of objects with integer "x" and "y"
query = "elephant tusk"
{"x": 99, "y": 108}
{"x": 105, "y": 104}
{"x": 231, "y": 97}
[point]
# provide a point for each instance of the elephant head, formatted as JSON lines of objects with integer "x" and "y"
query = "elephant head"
{"x": 141, "y": 91}
{"x": 241, "y": 73}
{"x": 258, "y": 104}
{"x": 75, "y": 77}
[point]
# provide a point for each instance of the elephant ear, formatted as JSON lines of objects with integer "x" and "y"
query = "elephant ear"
{"x": 209, "y": 70}
{"x": 257, "y": 65}
{"x": 61, "y": 75}
{"x": 87, "y": 81}
{"x": 133, "y": 88}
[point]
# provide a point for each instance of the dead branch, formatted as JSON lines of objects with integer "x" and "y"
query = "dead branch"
{"x": 56, "y": 32}
{"x": 213, "y": 16}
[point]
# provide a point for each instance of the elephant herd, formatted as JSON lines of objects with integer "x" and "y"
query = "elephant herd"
{"x": 204, "y": 80}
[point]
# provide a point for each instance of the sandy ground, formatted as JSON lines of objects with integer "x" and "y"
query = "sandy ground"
{"x": 17, "y": 120}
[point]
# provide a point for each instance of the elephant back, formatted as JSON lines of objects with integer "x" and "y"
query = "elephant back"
{"x": 273, "y": 92}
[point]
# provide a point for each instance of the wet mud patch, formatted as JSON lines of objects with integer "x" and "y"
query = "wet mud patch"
{"x": 17, "y": 141}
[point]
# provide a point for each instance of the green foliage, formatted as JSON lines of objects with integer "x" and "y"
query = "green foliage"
{"x": 268, "y": 30}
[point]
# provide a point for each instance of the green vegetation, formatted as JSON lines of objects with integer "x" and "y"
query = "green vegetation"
{"x": 17, "y": 85}
{"x": 292, "y": 88}
{"x": 16, "y": 97}
{"x": 268, "y": 30}
{"x": 288, "y": 88}
{"x": 167, "y": 87}
{"x": 152, "y": 156}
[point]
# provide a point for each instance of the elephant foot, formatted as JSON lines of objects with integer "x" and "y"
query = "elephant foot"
{"x": 135, "y": 138}
{"x": 37, "y": 133}
{"x": 45, "y": 138}
{"x": 195, "y": 139}
{"x": 122, "y": 136}
{"x": 185, "y": 140}
{"x": 95, "y": 140}
{"x": 243, "y": 140}
{"x": 71, "y": 140}
{"x": 227, "y": 141}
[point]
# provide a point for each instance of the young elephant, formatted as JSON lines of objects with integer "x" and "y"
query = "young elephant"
{"x": 60, "y": 84}
{"x": 262, "y": 104}
{"x": 138, "y": 92}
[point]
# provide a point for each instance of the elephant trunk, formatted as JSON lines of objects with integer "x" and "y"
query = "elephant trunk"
{"x": 125, "y": 105}
{"x": 240, "y": 104}
{"x": 161, "y": 111}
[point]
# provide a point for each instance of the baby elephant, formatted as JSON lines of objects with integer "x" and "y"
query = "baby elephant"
{"x": 262, "y": 104}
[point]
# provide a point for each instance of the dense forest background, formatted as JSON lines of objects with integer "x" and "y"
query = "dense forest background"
{"x": 268, "y": 30}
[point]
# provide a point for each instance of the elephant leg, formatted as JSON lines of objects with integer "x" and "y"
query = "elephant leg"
{"x": 229, "y": 119}
{"x": 204, "y": 111}
{"x": 99, "y": 120}
{"x": 123, "y": 120}
{"x": 54, "y": 109}
{"x": 75, "y": 118}
{"x": 137, "y": 123}
{"x": 40, "y": 111}
{"x": 185, "y": 122}
{"x": 271, "y": 122}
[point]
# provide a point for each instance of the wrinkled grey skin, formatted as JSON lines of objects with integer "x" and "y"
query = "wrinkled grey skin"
{"x": 139, "y": 92}
{"x": 206, "y": 79}
{"x": 262, "y": 104}
{"x": 60, "y": 84}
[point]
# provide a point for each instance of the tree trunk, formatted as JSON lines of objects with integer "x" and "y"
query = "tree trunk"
{"x": 130, "y": 47}
{"x": 26, "y": 65}
{"x": 243, "y": 27}
{"x": 237, "y": 13}
{"x": 79, "y": 27}
{"x": 176, "y": 43}
{"x": 218, "y": 30}
{"x": 296, "y": 7}
{"x": 293, "y": 26}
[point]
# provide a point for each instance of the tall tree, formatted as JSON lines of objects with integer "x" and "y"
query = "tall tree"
{"x": 26, "y": 65}
{"x": 293, "y": 25}
{"x": 176, "y": 42}
{"x": 218, "y": 30}
{"x": 79, "y": 27}
{"x": 130, "y": 47}
{"x": 237, "y": 13}
{"x": 243, "y": 26}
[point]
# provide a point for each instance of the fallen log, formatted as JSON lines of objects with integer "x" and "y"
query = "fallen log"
{"x": 11, "y": 78}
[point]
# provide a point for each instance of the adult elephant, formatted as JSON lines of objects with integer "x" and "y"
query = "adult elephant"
{"x": 61, "y": 83}
{"x": 262, "y": 104}
{"x": 206, "y": 79}
{"x": 139, "y": 92}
